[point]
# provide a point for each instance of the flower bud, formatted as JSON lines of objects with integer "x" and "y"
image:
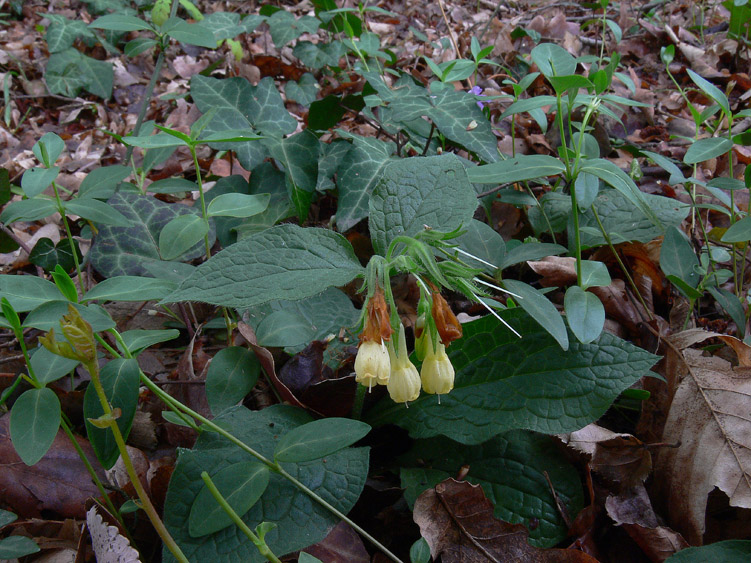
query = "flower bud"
{"x": 437, "y": 373}
{"x": 372, "y": 364}
{"x": 449, "y": 327}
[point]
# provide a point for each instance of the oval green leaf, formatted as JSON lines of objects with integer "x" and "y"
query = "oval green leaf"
{"x": 130, "y": 288}
{"x": 241, "y": 485}
{"x": 319, "y": 438}
{"x": 97, "y": 211}
{"x": 585, "y": 314}
{"x": 704, "y": 149}
{"x": 238, "y": 205}
{"x": 180, "y": 234}
{"x": 231, "y": 375}
{"x": 34, "y": 420}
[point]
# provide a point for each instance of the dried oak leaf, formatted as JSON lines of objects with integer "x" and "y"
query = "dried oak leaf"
{"x": 456, "y": 519}
{"x": 709, "y": 417}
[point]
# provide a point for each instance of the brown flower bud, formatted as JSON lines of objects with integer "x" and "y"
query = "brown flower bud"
{"x": 449, "y": 328}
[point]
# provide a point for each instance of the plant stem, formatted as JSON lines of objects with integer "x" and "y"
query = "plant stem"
{"x": 620, "y": 263}
{"x": 69, "y": 235}
{"x": 148, "y": 507}
{"x": 203, "y": 199}
{"x": 149, "y": 89}
{"x": 359, "y": 401}
{"x": 94, "y": 477}
{"x": 261, "y": 544}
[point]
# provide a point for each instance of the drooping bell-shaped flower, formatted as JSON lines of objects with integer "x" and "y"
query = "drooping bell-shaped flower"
{"x": 372, "y": 364}
{"x": 404, "y": 383}
{"x": 437, "y": 372}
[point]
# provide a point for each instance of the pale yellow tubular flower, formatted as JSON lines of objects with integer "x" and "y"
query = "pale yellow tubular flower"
{"x": 404, "y": 384}
{"x": 372, "y": 364}
{"x": 437, "y": 373}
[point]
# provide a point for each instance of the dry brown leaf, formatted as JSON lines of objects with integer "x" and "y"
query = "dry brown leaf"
{"x": 633, "y": 511}
{"x": 709, "y": 417}
{"x": 58, "y": 484}
{"x": 341, "y": 545}
{"x": 621, "y": 458}
{"x": 456, "y": 519}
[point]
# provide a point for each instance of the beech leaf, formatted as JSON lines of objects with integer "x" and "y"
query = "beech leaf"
{"x": 709, "y": 419}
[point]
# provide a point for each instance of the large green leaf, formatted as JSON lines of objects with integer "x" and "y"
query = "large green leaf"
{"x": 70, "y": 70}
{"x": 227, "y": 25}
{"x": 625, "y": 222}
{"x": 360, "y": 170}
{"x": 27, "y": 292}
{"x": 504, "y": 382}
{"x": 124, "y": 251}
{"x": 284, "y": 262}
{"x": 455, "y": 114}
{"x": 62, "y": 32}
{"x": 119, "y": 379}
{"x": 294, "y": 324}
{"x": 415, "y": 192}
{"x": 483, "y": 242}
{"x": 511, "y": 469}
{"x": 300, "y": 521}
{"x": 299, "y": 156}
{"x": 726, "y": 551}
{"x": 34, "y": 420}
{"x": 238, "y": 105}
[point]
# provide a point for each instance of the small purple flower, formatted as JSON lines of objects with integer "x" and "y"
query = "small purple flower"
{"x": 477, "y": 91}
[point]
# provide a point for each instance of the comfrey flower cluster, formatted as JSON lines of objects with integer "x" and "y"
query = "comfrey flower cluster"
{"x": 383, "y": 360}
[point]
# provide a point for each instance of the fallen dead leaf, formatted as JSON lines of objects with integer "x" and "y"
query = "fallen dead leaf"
{"x": 709, "y": 418}
{"x": 632, "y": 510}
{"x": 58, "y": 483}
{"x": 456, "y": 519}
{"x": 109, "y": 545}
{"x": 620, "y": 458}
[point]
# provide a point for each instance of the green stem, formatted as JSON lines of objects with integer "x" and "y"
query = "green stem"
{"x": 620, "y": 263}
{"x": 148, "y": 507}
{"x": 69, "y": 235}
{"x": 149, "y": 89}
{"x": 260, "y": 543}
{"x": 204, "y": 214}
{"x": 94, "y": 477}
{"x": 359, "y": 401}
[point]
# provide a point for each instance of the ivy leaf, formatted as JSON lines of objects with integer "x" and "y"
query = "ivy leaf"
{"x": 70, "y": 70}
{"x": 300, "y": 521}
{"x": 238, "y": 105}
{"x": 413, "y": 192}
{"x": 504, "y": 383}
{"x": 284, "y": 262}
{"x": 511, "y": 470}
{"x": 125, "y": 251}
{"x": 360, "y": 170}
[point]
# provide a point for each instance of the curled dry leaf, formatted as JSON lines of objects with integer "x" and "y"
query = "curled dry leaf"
{"x": 620, "y": 458}
{"x": 709, "y": 417}
{"x": 633, "y": 511}
{"x": 109, "y": 545}
{"x": 456, "y": 519}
